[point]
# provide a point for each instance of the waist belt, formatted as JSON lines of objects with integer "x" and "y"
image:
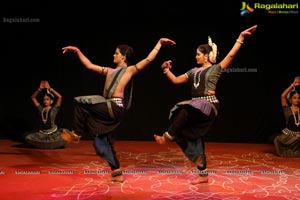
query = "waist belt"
{"x": 289, "y": 132}
{"x": 94, "y": 99}
{"x": 48, "y": 131}
{"x": 210, "y": 98}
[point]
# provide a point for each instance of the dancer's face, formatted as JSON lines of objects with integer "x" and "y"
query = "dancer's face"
{"x": 201, "y": 58}
{"x": 118, "y": 57}
{"x": 47, "y": 101}
{"x": 295, "y": 100}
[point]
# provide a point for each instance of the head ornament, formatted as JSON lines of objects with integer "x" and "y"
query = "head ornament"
{"x": 212, "y": 54}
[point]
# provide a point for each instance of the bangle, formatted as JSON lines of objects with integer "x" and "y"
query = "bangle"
{"x": 156, "y": 49}
{"x": 102, "y": 71}
{"x": 137, "y": 69}
{"x": 166, "y": 70}
{"x": 239, "y": 41}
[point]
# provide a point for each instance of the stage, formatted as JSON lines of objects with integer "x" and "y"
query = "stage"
{"x": 151, "y": 171}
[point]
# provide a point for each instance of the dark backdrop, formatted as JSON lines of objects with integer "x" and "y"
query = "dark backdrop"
{"x": 250, "y": 101}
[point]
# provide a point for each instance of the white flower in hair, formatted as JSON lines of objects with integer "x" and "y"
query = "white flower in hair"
{"x": 213, "y": 54}
{"x": 50, "y": 93}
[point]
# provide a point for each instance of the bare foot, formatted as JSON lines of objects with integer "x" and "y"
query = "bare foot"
{"x": 200, "y": 179}
{"x": 71, "y": 137}
{"x": 159, "y": 139}
{"x": 117, "y": 179}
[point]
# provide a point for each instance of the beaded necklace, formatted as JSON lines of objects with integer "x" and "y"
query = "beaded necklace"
{"x": 200, "y": 70}
{"x": 45, "y": 115}
{"x": 297, "y": 122}
{"x": 196, "y": 83}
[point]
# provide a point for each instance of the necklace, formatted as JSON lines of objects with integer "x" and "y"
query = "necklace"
{"x": 297, "y": 122}
{"x": 200, "y": 70}
{"x": 196, "y": 83}
{"x": 45, "y": 115}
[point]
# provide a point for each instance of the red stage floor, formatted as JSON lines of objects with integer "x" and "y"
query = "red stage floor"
{"x": 151, "y": 171}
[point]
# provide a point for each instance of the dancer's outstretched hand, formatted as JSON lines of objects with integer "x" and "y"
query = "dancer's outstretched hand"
{"x": 249, "y": 31}
{"x": 167, "y": 64}
{"x": 167, "y": 41}
{"x": 70, "y": 48}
